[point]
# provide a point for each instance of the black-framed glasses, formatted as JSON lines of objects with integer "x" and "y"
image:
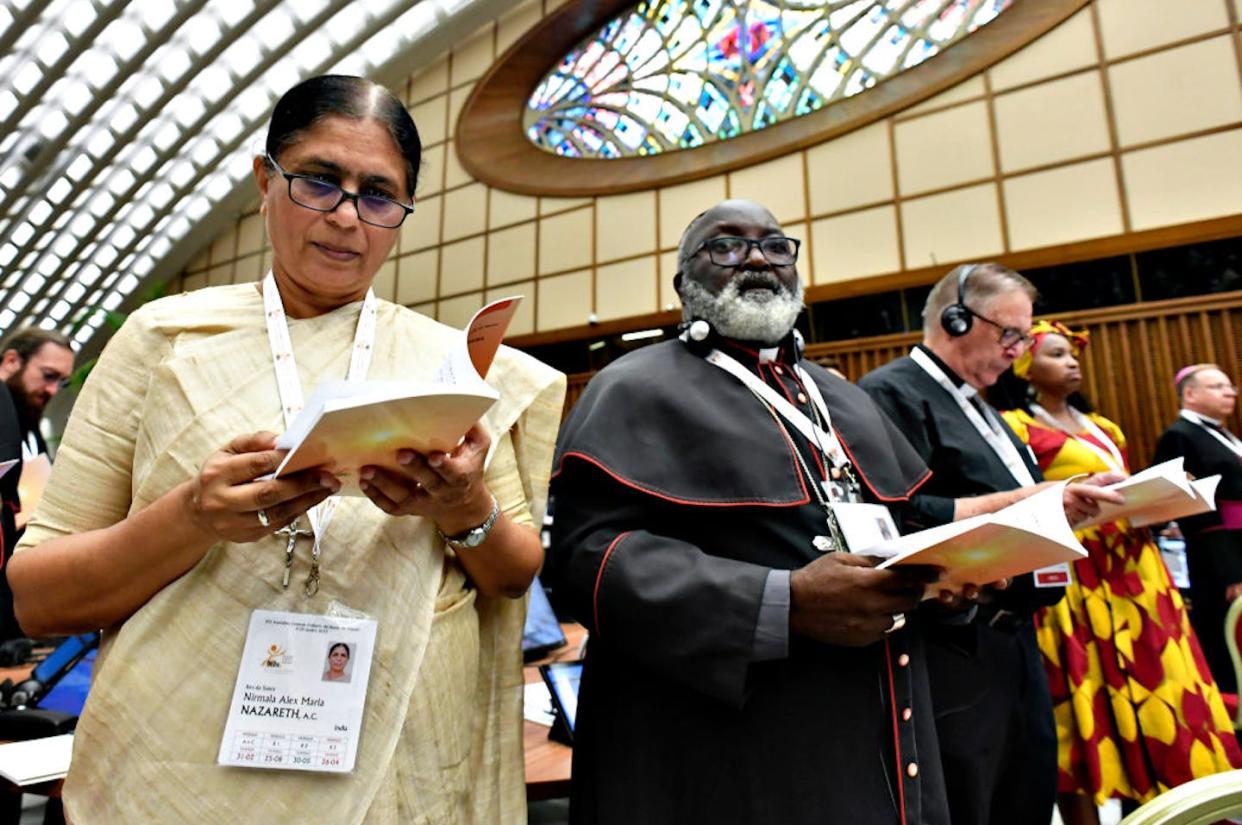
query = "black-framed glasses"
{"x": 315, "y": 193}
{"x": 1008, "y": 335}
{"x": 728, "y": 250}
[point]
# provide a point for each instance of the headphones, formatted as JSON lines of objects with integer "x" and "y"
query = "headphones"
{"x": 956, "y": 319}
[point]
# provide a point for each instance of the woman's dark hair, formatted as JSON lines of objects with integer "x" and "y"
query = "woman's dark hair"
{"x": 357, "y": 98}
{"x": 342, "y": 645}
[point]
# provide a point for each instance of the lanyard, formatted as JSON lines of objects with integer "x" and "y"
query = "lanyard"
{"x": 1223, "y": 436}
{"x": 825, "y": 438}
{"x": 30, "y": 447}
{"x": 1108, "y": 453}
{"x": 292, "y": 401}
{"x": 987, "y": 429}
{"x": 828, "y": 492}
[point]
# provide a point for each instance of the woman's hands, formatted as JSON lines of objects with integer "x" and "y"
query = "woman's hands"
{"x": 227, "y": 495}
{"x": 447, "y": 488}
{"x": 98, "y": 578}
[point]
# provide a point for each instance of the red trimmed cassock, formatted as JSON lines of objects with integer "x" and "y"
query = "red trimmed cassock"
{"x": 676, "y": 495}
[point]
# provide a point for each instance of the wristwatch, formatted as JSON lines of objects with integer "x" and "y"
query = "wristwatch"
{"x": 475, "y": 535}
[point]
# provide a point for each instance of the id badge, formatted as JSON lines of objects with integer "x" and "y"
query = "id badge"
{"x": 1056, "y": 575}
{"x": 300, "y": 692}
{"x": 864, "y": 526}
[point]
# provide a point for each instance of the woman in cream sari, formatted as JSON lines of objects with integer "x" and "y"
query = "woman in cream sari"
{"x": 158, "y": 524}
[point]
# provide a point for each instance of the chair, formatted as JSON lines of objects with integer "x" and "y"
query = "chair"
{"x": 1233, "y": 638}
{"x": 1200, "y": 802}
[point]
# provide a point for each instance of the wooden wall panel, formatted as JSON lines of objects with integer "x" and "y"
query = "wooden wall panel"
{"x": 1128, "y": 367}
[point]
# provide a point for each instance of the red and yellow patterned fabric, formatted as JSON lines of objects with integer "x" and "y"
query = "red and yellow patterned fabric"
{"x": 1137, "y": 711}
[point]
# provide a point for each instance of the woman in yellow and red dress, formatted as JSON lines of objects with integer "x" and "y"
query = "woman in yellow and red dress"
{"x": 1136, "y": 708}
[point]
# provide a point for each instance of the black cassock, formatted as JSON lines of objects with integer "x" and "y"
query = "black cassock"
{"x": 1213, "y": 553}
{"x": 993, "y": 709}
{"x": 675, "y": 494}
{"x": 11, "y": 435}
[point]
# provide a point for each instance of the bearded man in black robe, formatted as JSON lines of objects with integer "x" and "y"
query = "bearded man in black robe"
{"x": 739, "y": 670}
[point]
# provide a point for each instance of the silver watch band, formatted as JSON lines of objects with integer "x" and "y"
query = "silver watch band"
{"x": 475, "y": 535}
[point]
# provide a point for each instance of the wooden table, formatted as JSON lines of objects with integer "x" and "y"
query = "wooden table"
{"x": 548, "y": 763}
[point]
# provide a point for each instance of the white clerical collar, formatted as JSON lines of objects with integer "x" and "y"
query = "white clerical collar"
{"x": 963, "y": 386}
{"x": 769, "y": 354}
{"x": 1199, "y": 418}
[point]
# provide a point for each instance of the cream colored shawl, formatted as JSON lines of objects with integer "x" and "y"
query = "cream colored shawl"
{"x": 441, "y": 735}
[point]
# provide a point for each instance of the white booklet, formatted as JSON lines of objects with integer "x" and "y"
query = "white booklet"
{"x": 1158, "y": 494}
{"x": 36, "y": 760}
{"x": 983, "y": 549}
{"x": 345, "y": 426}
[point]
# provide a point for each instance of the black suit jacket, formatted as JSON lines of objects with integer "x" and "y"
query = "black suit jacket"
{"x": 10, "y": 448}
{"x": 1205, "y": 456}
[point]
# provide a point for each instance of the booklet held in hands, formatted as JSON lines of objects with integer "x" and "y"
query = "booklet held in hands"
{"x": 1022, "y": 537}
{"x": 347, "y": 425}
{"x": 1159, "y": 494}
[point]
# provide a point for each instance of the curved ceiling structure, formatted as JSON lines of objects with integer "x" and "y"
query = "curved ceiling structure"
{"x": 492, "y": 133}
{"x": 127, "y": 129}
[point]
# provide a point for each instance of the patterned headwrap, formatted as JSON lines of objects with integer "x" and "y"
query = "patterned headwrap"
{"x": 1040, "y": 330}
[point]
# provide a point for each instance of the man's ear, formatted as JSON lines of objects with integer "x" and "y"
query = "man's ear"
{"x": 11, "y": 362}
{"x": 261, "y": 178}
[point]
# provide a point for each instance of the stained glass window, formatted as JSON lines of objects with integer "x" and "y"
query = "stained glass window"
{"x": 675, "y": 74}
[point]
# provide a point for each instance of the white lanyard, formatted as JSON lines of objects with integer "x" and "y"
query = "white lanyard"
{"x": 987, "y": 429}
{"x": 1229, "y": 440}
{"x": 1108, "y": 452}
{"x": 826, "y": 440}
{"x": 832, "y": 493}
{"x": 30, "y": 447}
{"x": 292, "y": 400}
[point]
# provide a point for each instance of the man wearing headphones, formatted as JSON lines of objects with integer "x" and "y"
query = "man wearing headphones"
{"x": 992, "y": 707}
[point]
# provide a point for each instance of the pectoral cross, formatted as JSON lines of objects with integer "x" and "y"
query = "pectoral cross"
{"x": 835, "y": 540}
{"x": 294, "y": 532}
{"x": 824, "y": 544}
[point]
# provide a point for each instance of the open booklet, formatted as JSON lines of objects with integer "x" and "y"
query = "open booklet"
{"x": 1158, "y": 494}
{"x": 1022, "y": 537}
{"x": 347, "y": 425}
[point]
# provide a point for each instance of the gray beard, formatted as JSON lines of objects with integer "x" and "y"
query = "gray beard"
{"x": 753, "y": 315}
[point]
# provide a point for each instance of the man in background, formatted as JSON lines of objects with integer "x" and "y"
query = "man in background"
{"x": 992, "y": 706}
{"x": 34, "y": 363}
{"x": 1213, "y": 540}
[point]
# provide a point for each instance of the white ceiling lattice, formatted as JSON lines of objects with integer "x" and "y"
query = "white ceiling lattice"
{"x": 126, "y": 126}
